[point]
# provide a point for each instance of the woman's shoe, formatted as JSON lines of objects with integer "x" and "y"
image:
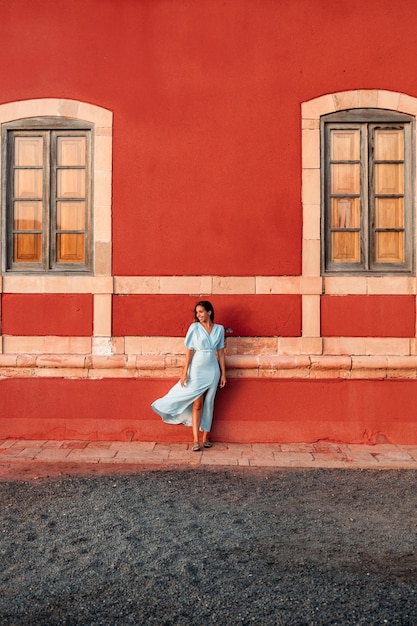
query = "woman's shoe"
{"x": 196, "y": 447}
{"x": 207, "y": 444}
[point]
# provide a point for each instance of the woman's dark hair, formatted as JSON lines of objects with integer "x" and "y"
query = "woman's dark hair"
{"x": 207, "y": 306}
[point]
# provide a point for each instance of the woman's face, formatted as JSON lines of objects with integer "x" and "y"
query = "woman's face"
{"x": 202, "y": 315}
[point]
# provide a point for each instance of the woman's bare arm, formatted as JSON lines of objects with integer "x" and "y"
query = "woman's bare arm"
{"x": 188, "y": 358}
{"x": 222, "y": 364}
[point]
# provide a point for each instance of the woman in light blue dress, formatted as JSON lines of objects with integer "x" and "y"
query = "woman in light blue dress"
{"x": 191, "y": 400}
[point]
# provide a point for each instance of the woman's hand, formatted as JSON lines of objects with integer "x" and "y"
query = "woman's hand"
{"x": 183, "y": 379}
{"x": 223, "y": 381}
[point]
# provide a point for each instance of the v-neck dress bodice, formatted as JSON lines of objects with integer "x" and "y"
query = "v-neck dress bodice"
{"x": 203, "y": 378}
{"x": 198, "y": 338}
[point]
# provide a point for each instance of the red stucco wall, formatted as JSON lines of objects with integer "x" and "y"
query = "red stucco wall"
{"x": 206, "y": 99}
{"x": 245, "y": 315}
{"x": 368, "y": 316}
{"x": 47, "y": 314}
{"x": 247, "y": 410}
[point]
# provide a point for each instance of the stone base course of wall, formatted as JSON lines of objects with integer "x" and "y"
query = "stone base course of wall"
{"x": 238, "y": 366}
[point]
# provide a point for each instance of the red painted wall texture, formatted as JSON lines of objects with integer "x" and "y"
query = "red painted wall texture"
{"x": 206, "y": 100}
{"x": 247, "y": 410}
{"x": 368, "y": 316}
{"x": 246, "y": 315}
{"x": 47, "y": 314}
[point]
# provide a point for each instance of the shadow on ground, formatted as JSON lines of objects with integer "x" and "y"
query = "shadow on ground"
{"x": 209, "y": 546}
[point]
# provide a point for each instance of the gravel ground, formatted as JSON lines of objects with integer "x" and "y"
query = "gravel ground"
{"x": 210, "y": 546}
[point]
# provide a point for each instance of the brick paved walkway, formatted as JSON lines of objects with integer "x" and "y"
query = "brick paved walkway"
{"x": 301, "y": 455}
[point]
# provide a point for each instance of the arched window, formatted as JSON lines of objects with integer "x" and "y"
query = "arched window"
{"x": 359, "y": 173}
{"x": 56, "y": 169}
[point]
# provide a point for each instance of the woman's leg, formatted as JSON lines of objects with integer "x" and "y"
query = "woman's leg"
{"x": 196, "y": 418}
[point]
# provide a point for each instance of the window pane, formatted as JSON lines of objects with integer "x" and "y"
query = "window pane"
{"x": 345, "y": 178}
{"x": 28, "y": 183}
{"x": 345, "y": 247}
{"x": 72, "y": 151}
{"x": 345, "y": 145}
{"x": 390, "y": 247}
{"x": 389, "y": 213}
{"x": 345, "y": 213}
{"x": 389, "y": 145}
{"x": 70, "y": 248}
{"x": 47, "y": 196}
{"x": 28, "y": 151}
{"x": 71, "y": 216}
{"x": 27, "y": 248}
{"x": 367, "y": 192}
{"x": 71, "y": 183}
{"x": 27, "y": 216}
{"x": 389, "y": 178}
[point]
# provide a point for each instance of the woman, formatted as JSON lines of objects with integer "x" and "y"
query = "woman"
{"x": 191, "y": 400}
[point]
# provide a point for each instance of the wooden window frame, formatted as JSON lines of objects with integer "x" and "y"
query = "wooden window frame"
{"x": 365, "y": 120}
{"x": 50, "y": 128}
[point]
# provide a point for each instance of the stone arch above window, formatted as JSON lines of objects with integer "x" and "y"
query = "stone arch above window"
{"x": 101, "y": 120}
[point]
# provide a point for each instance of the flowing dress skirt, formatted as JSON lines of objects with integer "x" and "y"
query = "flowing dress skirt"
{"x": 203, "y": 376}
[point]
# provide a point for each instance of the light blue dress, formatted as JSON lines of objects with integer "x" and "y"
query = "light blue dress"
{"x": 203, "y": 376}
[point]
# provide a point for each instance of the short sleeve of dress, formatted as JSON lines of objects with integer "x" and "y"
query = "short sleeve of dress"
{"x": 220, "y": 338}
{"x": 189, "y": 338}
